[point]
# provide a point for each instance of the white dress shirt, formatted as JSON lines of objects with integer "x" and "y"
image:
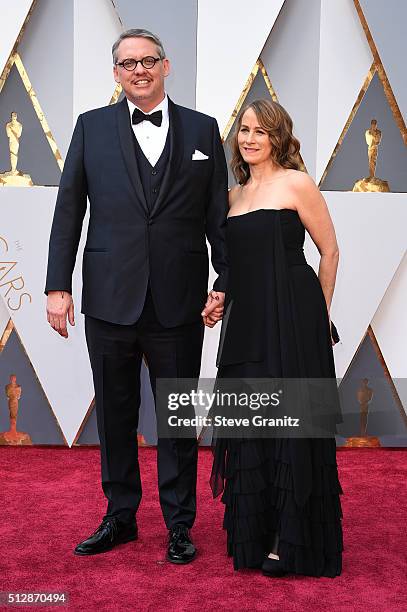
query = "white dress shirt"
{"x": 150, "y": 137}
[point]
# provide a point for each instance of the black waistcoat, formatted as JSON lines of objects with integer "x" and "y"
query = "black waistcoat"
{"x": 151, "y": 176}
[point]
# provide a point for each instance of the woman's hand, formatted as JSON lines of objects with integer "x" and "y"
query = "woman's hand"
{"x": 213, "y": 310}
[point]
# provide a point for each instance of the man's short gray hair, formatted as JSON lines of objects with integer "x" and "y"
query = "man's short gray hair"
{"x": 138, "y": 33}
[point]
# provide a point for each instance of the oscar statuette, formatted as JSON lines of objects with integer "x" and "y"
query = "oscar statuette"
{"x": 140, "y": 440}
{"x": 371, "y": 183}
{"x": 364, "y": 396}
{"x": 12, "y": 437}
{"x": 13, "y": 177}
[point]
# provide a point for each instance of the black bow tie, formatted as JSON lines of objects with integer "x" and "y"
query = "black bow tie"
{"x": 155, "y": 118}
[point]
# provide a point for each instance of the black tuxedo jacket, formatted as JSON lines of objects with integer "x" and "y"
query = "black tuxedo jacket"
{"x": 127, "y": 246}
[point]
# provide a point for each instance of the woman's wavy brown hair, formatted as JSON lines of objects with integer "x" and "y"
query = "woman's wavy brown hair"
{"x": 274, "y": 120}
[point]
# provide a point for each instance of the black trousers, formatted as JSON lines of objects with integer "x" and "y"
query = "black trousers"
{"x": 116, "y": 353}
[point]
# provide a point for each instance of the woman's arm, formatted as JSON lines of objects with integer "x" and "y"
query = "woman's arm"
{"x": 315, "y": 217}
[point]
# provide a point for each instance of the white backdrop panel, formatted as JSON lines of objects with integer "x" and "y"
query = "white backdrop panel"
{"x": 231, "y": 35}
{"x": 344, "y": 61}
{"x": 96, "y": 27}
{"x": 13, "y": 15}
{"x": 4, "y": 314}
{"x": 390, "y": 327}
{"x": 370, "y": 228}
{"x": 291, "y": 58}
{"x": 61, "y": 365}
{"x": 50, "y": 67}
{"x": 211, "y": 338}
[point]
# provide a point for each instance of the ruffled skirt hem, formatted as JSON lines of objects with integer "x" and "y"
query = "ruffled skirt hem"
{"x": 261, "y": 502}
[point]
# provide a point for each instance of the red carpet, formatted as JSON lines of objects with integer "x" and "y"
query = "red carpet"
{"x": 51, "y": 499}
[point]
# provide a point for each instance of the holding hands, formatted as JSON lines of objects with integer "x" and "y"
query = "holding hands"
{"x": 213, "y": 310}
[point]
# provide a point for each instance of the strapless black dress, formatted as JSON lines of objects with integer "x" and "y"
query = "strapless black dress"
{"x": 276, "y": 325}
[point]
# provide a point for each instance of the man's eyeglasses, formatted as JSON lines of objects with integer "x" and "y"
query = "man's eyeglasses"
{"x": 147, "y": 62}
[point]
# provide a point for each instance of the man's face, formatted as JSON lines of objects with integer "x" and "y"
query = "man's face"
{"x": 142, "y": 86}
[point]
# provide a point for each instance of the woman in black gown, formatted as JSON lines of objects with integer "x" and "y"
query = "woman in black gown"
{"x": 281, "y": 495}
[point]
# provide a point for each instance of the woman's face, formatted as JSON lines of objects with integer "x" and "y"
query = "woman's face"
{"x": 254, "y": 142}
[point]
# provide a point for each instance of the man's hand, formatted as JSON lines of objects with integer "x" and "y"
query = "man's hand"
{"x": 59, "y": 305}
{"x": 213, "y": 310}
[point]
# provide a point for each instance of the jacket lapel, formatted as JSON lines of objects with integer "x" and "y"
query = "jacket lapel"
{"x": 127, "y": 146}
{"x": 175, "y": 154}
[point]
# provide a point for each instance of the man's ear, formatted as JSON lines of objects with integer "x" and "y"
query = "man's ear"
{"x": 166, "y": 66}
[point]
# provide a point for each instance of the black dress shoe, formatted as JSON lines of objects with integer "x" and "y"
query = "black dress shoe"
{"x": 180, "y": 547}
{"x": 109, "y": 533}
{"x": 272, "y": 568}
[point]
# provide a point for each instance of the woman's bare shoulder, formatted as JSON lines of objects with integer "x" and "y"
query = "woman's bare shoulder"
{"x": 233, "y": 194}
{"x": 305, "y": 192}
{"x": 301, "y": 180}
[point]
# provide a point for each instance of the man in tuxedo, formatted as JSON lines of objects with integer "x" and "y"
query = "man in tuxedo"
{"x": 156, "y": 178}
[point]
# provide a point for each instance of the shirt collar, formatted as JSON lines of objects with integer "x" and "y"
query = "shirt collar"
{"x": 162, "y": 106}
